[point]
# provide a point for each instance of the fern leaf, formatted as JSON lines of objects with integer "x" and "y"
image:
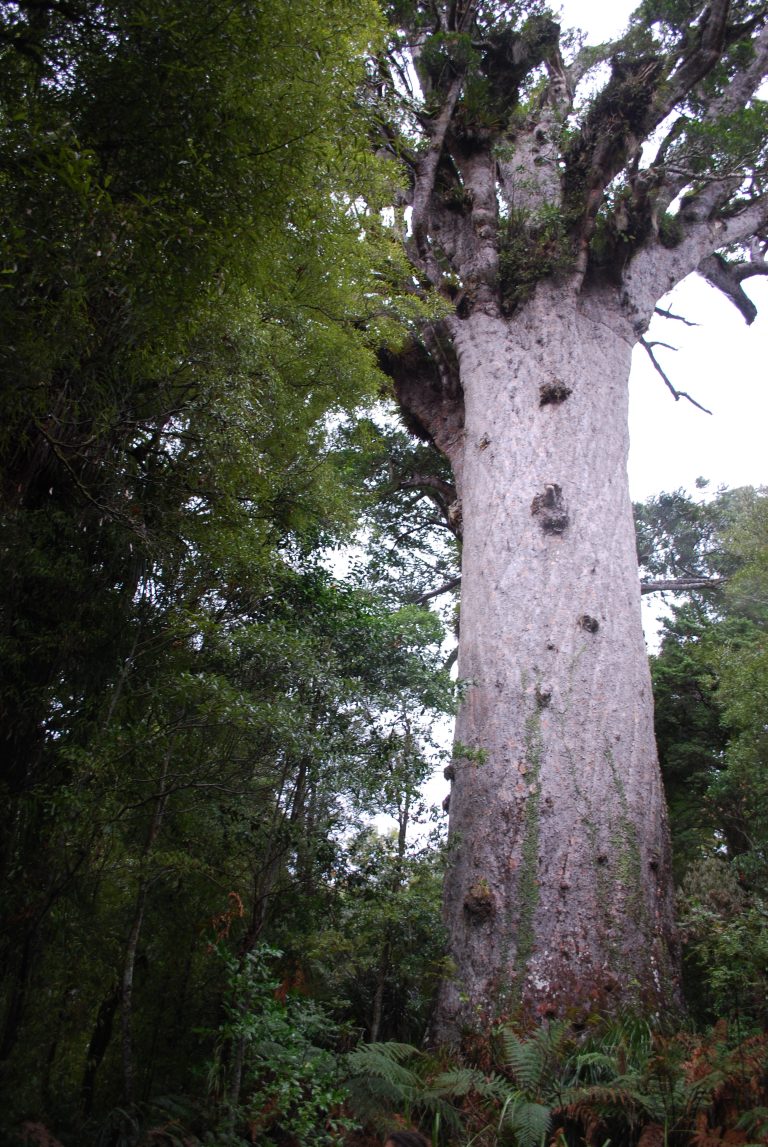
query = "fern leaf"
{"x": 458, "y": 1082}
{"x": 386, "y": 1061}
{"x": 524, "y": 1059}
{"x": 529, "y": 1122}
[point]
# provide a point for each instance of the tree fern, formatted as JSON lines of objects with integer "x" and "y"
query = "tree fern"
{"x": 462, "y": 1080}
{"x": 384, "y": 1077}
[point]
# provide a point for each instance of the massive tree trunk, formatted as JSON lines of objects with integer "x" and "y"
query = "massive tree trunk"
{"x": 558, "y": 892}
{"x": 551, "y": 224}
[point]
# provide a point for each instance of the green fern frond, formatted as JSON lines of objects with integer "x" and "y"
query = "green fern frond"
{"x": 440, "y": 1110}
{"x": 593, "y": 1067}
{"x": 387, "y": 1061}
{"x": 524, "y": 1058}
{"x": 537, "y": 1063}
{"x": 601, "y": 1101}
{"x": 398, "y": 1052}
{"x": 395, "y": 1077}
{"x": 630, "y": 1032}
{"x": 529, "y": 1122}
{"x": 755, "y": 1122}
{"x": 459, "y": 1082}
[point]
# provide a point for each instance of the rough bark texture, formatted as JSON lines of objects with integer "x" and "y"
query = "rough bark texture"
{"x": 552, "y": 227}
{"x": 558, "y": 896}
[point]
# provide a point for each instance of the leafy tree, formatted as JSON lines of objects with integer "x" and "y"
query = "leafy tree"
{"x": 556, "y": 192}
{"x": 160, "y": 291}
{"x": 709, "y": 676}
{"x": 192, "y": 710}
{"x": 384, "y": 952}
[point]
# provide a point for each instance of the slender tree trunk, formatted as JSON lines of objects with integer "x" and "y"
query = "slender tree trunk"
{"x": 17, "y": 996}
{"x": 558, "y": 896}
{"x": 390, "y": 938}
{"x": 97, "y": 1048}
{"x": 378, "y": 996}
{"x": 132, "y": 945}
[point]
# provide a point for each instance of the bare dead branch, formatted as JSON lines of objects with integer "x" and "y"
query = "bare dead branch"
{"x": 657, "y": 342}
{"x": 671, "y": 315}
{"x": 678, "y": 394}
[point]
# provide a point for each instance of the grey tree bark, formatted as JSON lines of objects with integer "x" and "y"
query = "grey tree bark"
{"x": 558, "y": 896}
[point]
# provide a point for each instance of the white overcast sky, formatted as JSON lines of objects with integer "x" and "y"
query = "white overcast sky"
{"x": 720, "y": 363}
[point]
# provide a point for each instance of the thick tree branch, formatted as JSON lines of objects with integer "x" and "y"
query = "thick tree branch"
{"x": 428, "y": 389}
{"x": 698, "y": 61}
{"x": 725, "y": 276}
{"x": 430, "y": 482}
{"x": 442, "y": 494}
{"x": 656, "y": 268}
{"x": 735, "y": 96}
{"x": 446, "y": 587}
{"x": 639, "y": 96}
{"x": 588, "y": 57}
{"x": 421, "y": 253}
{"x": 745, "y": 83}
{"x": 728, "y": 277}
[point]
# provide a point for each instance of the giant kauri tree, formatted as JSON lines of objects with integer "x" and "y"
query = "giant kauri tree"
{"x": 556, "y": 193}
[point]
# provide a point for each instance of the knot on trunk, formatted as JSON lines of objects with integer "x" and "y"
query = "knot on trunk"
{"x": 455, "y": 517}
{"x": 543, "y": 696}
{"x": 553, "y": 393}
{"x": 478, "y": 902}
{"x": 549, "y": 508}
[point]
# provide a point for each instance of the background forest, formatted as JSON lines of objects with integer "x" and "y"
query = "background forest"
{"x": 210, "y": 932}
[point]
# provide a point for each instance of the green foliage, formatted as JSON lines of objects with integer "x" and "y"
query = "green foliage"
{"x": 724, "y": 924}
{"x": 709, "y": 685}
{"x": 725, "y": 147}
{"x": 291, "y": 1083}
{"x": 391, "y": 1077}
{"x": 380, "y": 953}
{"x": 404, "y": 493}
{"x": 531, "y": 249}
{"x": 195, "y": 714}
{"x": 555, "y": 1085}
